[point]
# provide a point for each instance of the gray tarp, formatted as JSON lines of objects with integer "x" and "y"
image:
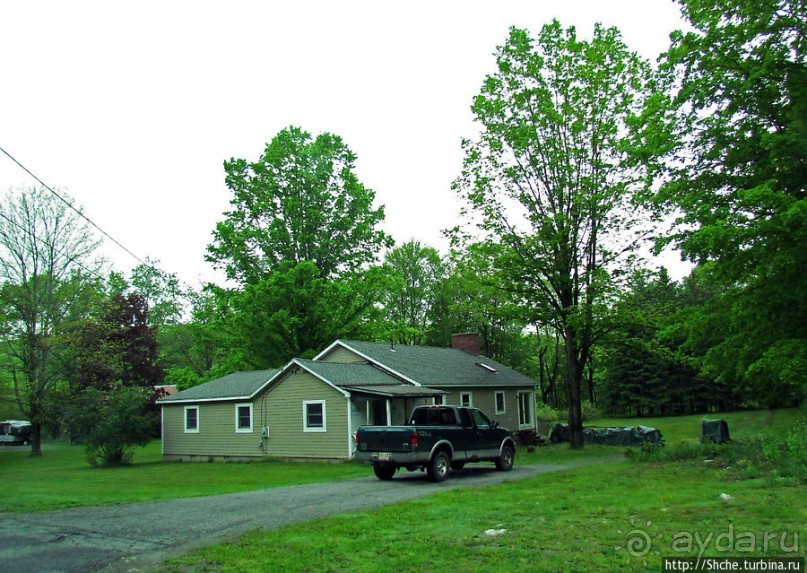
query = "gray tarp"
{"x": 630, "y": 436}
{"x": 714, "y": 431}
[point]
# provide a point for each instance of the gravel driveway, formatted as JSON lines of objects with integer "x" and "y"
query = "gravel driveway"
{"x": 134, "y": 537}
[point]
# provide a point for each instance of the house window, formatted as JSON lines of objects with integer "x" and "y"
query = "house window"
{"x": 465, "y": 399}
{"x": 500, "y": 403}
{"x": 524, "y": 409}
{"x": 191, "y": 419}
{"x": 314, "y": 416}
{"x": 438, "y": 400}
{"x": 243, "y": 418}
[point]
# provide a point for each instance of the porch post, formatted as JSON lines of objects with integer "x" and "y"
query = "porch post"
{"x": 389, "y": 413}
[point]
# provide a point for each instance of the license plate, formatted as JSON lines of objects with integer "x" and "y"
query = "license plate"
{"x": 384, "y": 456}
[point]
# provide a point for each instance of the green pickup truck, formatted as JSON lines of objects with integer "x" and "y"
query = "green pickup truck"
{"x": 437, "y": 439}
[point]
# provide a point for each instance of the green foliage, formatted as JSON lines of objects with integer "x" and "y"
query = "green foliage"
{"x": 548, "y": 415}
{"x": 301, "y": 201}
{"x": 649, "y": 369}
{"x": 162, "y": 292}
{"x": 741, "y": 80}
{"x": 111, "y": 422}
{"x": 471, "y": 298}
{"x": 297, "y": 312}
{"x": 183, "y": 377}
{"x": 414, "y": 273}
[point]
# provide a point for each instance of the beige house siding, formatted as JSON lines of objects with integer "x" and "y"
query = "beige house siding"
{"x": 284, "y": 405}
{"x": 342, "y": 355}
{"x": 217, "y": 431}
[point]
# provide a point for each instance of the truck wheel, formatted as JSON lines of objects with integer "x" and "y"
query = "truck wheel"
{"x": 505, "y": 461}
{"x": 439, "y": 467}
{"x": 384, "y": 472}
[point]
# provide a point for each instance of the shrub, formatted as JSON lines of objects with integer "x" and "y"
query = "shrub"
{"x": 589, "y": 411}
{"x": 548, "y": 415}
{"x": 111, "y": 423}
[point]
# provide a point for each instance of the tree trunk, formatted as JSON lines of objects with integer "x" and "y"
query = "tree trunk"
{"x": 574, "y": 376}
{"x": 36, "y": 439}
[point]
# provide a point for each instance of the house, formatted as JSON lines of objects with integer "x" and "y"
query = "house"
{"x": 312, "y": 408}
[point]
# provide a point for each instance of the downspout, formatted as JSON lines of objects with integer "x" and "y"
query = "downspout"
{"x": 389, "y": 413}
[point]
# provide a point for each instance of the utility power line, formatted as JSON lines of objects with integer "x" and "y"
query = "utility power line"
{"x": 66, "y": 202}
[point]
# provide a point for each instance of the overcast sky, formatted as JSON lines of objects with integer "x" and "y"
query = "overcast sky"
{"x": 133, "y": 106}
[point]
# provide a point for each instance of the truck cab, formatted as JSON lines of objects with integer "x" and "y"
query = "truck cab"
{"x": 437, "y": 439}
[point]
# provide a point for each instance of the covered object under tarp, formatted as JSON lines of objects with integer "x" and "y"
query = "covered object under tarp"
{"x": 630, "y": 436}
{"x": 714, "y": 430}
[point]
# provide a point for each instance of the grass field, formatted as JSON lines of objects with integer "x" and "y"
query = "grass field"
{"x": 63, "y": 478}
{"x": 745, "y": 424}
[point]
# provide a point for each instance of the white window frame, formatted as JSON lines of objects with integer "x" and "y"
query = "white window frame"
{"x": 324, "y": 427}
{"x": 503, "y": 394}
{"x": 438, "y": 400}
{"x": 185, "y": 420}
{"x": 238, "y": 429}
{"x": 470, "y": 403}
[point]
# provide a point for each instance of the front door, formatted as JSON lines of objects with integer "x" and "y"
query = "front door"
{"x": 379, "y": 412}
{"x": 525, "y": 410}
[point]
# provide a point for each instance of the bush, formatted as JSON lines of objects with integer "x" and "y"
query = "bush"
{"x": 548, "y": 415}
{"x": 111, "y": 423}
{"x": 589, "y": 411}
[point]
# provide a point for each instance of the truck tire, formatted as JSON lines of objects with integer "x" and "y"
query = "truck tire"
{"x": 439, "y": 467}
{"x": 383, "y": 471}
{"x": 505, "y": 461}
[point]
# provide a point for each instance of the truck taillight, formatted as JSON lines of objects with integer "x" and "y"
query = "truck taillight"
{"x": 413, "y": 440}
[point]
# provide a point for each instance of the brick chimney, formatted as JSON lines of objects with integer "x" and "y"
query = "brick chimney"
{"x": 467, "y": 342}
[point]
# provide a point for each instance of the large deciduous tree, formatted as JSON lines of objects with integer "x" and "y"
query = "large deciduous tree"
{"x": 740, "y": 178}
{"x": 552, "y": 175}
{"x": 413, "y": 271}
{"x": 301, "y": 201}
{"x": 45, "y": 259}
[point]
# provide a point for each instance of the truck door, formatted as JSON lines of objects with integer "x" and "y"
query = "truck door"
{"x": 487, "y": 440}
{"x": 463, "y": 435}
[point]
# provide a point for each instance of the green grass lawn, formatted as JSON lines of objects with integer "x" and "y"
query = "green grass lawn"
{"x": 593, "y": 518}
{"x": 63, "y": 478}
{"x": 745, "y": 424}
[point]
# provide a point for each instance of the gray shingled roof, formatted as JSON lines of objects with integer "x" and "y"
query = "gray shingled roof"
{"x": 354, "y": 374}
{"x": 366, "y": 378}
{"x": 232, "y": 386}
{"x": 439, "y": 367}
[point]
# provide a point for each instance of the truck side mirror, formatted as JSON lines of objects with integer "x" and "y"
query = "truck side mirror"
{"x": 494, "y": 424}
